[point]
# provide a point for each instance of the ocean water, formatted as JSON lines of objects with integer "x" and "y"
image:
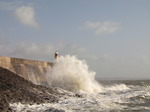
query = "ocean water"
{"x": 117, "y": 96}
{"x": 72, "y": 76}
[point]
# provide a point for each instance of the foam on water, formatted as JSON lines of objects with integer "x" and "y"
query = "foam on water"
{"x": 72, "y": 74}
{"x": 115, "y": 99}
{"x": 116, "y": 87}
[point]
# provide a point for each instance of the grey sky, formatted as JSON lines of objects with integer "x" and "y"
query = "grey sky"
{"x": 113, "y": 36}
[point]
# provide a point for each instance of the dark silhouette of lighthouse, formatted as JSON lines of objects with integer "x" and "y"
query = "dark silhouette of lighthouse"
{"x": 56, "y": 55}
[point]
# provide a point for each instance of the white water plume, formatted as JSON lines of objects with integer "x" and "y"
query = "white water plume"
{"x": 72, "y": 74}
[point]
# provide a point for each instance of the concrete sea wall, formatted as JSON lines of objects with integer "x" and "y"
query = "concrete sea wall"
{"x": 31, "y": 70}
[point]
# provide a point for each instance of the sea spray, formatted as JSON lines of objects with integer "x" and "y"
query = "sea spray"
{"x": 72, "y": 74}
{"x": 118, "y": 97}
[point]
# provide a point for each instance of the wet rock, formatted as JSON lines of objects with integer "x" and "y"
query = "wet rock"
{"x": 4, "y": 105}
{"x": 78, "y": 95}
{"x": 14, "y": 88}
{"x": 54, "y": 110}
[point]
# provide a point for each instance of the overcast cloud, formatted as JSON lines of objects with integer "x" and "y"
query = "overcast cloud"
{"x": 11, "y": 5}
{"x": 121, "y": 51}
{"x": 101, "y": 28}
{"x": 26, "y": 16}
{"x": 105, "y": 65}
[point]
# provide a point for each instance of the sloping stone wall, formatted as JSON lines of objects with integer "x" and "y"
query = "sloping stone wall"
{"x": 31, "y": 70}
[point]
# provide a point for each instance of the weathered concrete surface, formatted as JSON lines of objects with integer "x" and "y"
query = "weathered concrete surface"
{"x": 31, "y": 70}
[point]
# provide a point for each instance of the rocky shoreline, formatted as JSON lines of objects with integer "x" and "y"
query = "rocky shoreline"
{"x": 15, "y": 89}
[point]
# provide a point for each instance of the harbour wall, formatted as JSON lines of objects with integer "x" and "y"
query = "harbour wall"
{"x": 31, "y": 70}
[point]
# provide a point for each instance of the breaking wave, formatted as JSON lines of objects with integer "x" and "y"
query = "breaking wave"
{"x": 72, "y": 74}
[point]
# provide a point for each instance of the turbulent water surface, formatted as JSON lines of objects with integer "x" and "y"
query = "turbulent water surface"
{"x": 117, "y": 96}
{"x": 73, "y": 77}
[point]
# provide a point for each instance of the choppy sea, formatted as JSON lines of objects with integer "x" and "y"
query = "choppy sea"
{"x": 117, "y": 96}
{"x": 73, "y": 76}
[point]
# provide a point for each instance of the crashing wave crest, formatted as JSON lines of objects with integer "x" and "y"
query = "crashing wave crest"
{"x": 72, "y": 74}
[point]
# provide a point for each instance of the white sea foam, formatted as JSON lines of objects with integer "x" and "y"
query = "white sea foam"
{"x": 111, "y": 99}
{"x": 72, "y": 74}
{"x": 18, "y": 107}
{"x": 117, "y": 87}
